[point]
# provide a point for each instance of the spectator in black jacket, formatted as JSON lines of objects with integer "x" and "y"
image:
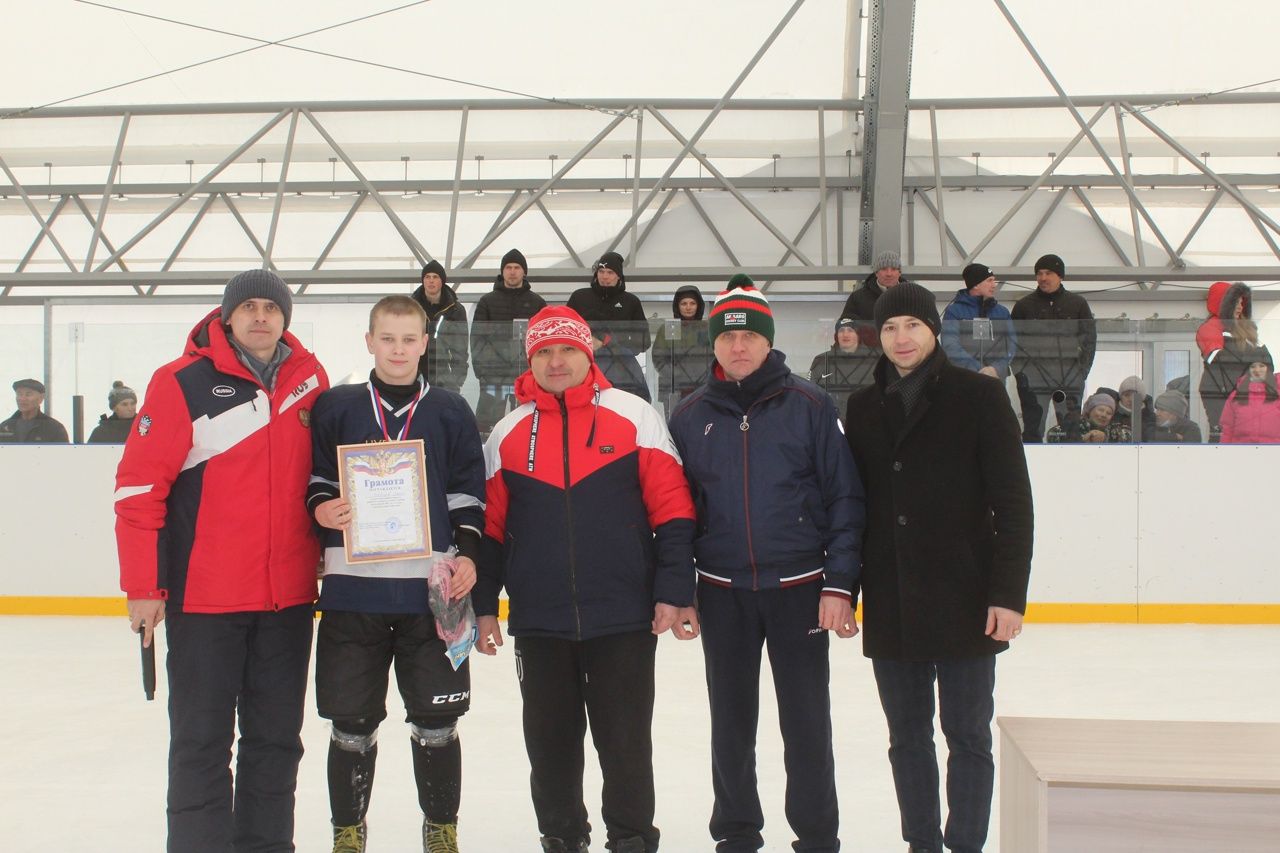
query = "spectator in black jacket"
{"x": 609, "y": 309}
{"x": 861, "y": 304}
{"x": 445, "y": 362}
{"x": 1057, "y": 340}
{"x": 29, "y": 425}
{"x": 497, "y": 347}
{"x": 114, "y": 429}
{"x": 848, "y": 365}
{"x": 682, "y": 355}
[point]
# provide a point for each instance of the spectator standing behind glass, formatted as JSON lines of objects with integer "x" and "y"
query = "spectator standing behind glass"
{"x": 620, "y": 367}
{"x": 1134, "y": 410}
{"x": 609, "y": 309}
{"x": 29, "y": 425}
{"x": 1096, "y": 425}
{"x": 497, "y": 353}
{"x": 1172, "y": 426}
{"x": 1057, "y": 340}
{"x": 945, "y": 563}
{"x": 1252, "y": 412}
{"x": 780, "y": 517}
{"x": 114, "y": 429}
{"x": 848, "y": 365}
{"x": 861, "y": 304}
{"x": 683, "y": 355}
{"x": 215, "y": 539}
{"x": 977, "y": 332}
{"x": 445, "y": 362}
{"x": 1228, "y": 343}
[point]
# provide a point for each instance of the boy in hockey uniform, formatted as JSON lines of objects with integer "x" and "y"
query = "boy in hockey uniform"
{"x": 374, "y": 613}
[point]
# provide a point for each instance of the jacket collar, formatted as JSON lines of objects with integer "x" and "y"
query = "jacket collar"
{"x": 528, "y": 390}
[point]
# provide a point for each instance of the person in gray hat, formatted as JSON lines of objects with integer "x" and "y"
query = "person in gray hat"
{"x": 886, "y": 275}
{"x": 114, "y": 428}
{"x": 1172, "y": 425}
{"x": 215, "y": 539}
{"x": 30, "y": 425}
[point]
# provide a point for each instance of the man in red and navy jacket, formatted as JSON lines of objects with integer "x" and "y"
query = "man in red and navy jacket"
{"x": 589, "y": 527}
{"x": 778, "y": 550}
{"x": 214, "y": 536}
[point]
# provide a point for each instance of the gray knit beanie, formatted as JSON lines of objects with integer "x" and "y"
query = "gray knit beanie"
{"x": 888, "y": 260}
{"x": 1172, "y": 402}
{"x": 1099, "y": 399}
{"x": 119, "y": 393}
{"x": 257, "y": 284}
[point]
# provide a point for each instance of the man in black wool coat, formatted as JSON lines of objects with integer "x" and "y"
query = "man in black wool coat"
{"x": 945, "y": 562}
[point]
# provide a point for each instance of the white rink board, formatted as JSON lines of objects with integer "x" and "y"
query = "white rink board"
{"x": 1114, "y": 525}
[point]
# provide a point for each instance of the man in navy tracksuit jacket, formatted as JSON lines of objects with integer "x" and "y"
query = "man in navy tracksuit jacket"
{"x": 780, "y": 518}
{"x": 376, "y": 613}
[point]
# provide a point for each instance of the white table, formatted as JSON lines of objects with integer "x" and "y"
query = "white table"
{"x": 1070, "y": 786}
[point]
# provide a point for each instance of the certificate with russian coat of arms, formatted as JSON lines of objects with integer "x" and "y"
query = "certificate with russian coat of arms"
{"x": 386, "y": 484}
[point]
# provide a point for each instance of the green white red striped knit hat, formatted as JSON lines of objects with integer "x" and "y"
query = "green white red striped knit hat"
{"x": 741, "y": 307}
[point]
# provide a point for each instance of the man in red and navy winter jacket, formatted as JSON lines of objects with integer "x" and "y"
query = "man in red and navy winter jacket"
{"x": 589, "y": 527}
{"x": 778, "y": 551}
{"x": 214, "y": 536}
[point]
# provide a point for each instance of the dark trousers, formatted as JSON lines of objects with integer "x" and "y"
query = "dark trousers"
{"x": 222, "y": 666}
{"x": 609, "y": 682}
{"x": 736, "y": 623}
{"x": 965, "y": 689}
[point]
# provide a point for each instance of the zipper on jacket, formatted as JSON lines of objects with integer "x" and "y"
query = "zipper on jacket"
{"x": 745, "y": 427}
{"x": 568, "y": 515}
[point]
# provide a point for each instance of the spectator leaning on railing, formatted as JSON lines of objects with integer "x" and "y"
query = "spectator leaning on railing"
{"x": 977, "y": 332}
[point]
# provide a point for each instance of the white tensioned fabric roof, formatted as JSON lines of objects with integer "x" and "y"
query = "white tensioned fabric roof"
{"x": 94, "y": 68}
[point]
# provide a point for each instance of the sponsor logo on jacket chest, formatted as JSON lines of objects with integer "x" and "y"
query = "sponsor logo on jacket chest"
{"x": 223, "y": 391}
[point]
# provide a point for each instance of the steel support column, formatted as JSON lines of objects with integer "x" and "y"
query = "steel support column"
{"x": 884, "y": 150}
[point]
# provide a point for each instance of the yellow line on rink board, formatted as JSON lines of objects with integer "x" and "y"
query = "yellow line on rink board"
{"x": 1156, "y": 614}
{"x": 1068, "y": 613}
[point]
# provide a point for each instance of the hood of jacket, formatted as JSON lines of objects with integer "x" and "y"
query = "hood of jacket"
{"x": 1223, "y": 297}
{"x": 681, "y": 293}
